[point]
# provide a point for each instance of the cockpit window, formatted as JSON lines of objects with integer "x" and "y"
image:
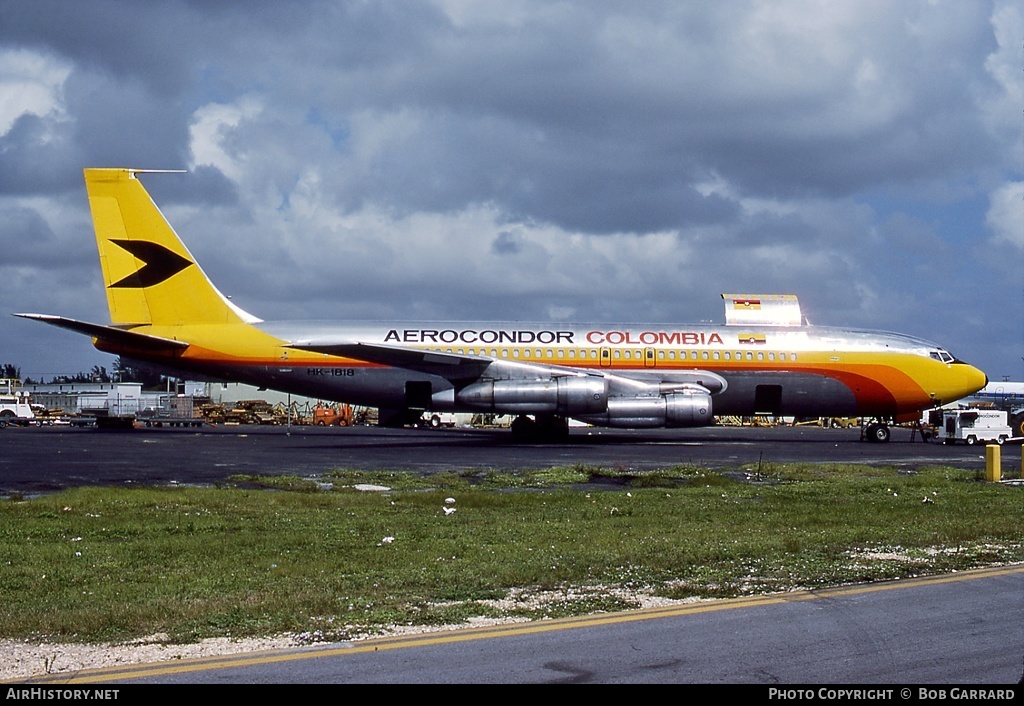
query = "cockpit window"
{"x": 942, "y": 356}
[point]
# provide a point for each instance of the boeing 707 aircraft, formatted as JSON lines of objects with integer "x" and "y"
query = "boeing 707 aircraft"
{"x": 763, "y": 360}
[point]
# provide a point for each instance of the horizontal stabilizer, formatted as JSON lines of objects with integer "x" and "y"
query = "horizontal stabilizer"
{"x": 110, "y": 334}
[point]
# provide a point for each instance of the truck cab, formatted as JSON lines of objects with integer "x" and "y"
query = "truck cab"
{"x": 14, "y": 403}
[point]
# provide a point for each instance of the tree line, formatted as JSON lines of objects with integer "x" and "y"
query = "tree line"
{"x": 122, "y": 372}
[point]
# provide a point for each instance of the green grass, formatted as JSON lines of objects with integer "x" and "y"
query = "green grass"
{"x": 270, "y": 555}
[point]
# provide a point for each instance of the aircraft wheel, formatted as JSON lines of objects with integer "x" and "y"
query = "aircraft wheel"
{"x": 552, "y": 428}
{"x": 522, "y": 427}
{"x": 878, "y": 433}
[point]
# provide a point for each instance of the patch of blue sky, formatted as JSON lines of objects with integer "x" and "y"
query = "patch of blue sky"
{"x": 955, "y": 221}
{"x": 339, "y": 134}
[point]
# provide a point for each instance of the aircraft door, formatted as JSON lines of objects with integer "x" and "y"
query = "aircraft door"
{"x": 650, "y": 358}
{"x": 768, "y": 399}
{"x": 606, "y": 357}
{"x": 418, "y": 394}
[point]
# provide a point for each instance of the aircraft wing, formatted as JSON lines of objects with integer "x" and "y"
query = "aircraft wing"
{"x": 112, "y": 335}
{"x": 460, "y": 368}
{"x": 451, "y": 366}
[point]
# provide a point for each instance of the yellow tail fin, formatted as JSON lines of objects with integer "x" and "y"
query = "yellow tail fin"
{"x": 149, "y": 275}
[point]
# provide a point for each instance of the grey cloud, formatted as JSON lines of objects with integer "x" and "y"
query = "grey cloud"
{"x": 597, "y": 119}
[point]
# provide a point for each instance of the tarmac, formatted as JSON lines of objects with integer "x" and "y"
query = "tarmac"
{"x": 47, "y": 459}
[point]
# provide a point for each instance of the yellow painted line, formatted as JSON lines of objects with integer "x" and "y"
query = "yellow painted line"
{"x": 506, "y": 630}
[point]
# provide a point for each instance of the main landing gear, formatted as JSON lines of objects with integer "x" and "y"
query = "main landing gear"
{"x": 541, "y": 428}
{"x": 875, "y": 431}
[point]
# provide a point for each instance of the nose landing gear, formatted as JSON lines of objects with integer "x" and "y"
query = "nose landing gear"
{"x": 875, "y": 431}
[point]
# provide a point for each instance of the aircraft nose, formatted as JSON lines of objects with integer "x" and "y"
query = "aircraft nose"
{"x": 969, "y": 380}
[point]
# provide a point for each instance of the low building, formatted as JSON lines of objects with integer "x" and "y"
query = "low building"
{"x": 73, "y": 398}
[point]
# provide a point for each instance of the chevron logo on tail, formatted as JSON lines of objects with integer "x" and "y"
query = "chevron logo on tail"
{"x": 161, "y": 264}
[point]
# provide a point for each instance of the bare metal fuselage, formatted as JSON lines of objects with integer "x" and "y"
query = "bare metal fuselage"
{"x": 787, "y": 370}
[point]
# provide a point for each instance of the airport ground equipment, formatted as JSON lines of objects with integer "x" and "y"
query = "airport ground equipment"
{"x": 436, "y": 420}
{"x": 15, "y": 407}
{"x": 974, "y": 426}
{"x": 333, "y": 415}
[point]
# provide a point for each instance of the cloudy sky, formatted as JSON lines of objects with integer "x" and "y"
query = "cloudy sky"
{"x": 529, "y": 160}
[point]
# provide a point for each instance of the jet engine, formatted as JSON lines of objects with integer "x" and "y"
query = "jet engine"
{"x": 683, "y": 408}
{"x": 562, "y": 396}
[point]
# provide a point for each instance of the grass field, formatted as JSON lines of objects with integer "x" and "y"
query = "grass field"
{"x": 323, "y": 559}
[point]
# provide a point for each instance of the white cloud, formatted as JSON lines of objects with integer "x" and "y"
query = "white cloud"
{"x": 1005, "y": 216}
{"x": 210, "y": 133}
{"x": 30, "y": 83}
{"x": 1003, "y": 107}
{"x": 508, "y": 13}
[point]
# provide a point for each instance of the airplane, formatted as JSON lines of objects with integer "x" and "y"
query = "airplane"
{"x": 764, "y": 360}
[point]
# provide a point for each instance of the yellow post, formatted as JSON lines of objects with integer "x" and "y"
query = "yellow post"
{"x": 993, "y": 463}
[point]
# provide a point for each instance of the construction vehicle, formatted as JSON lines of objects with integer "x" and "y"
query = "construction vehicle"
{"x": 14, "y": 405}
{"x": 338, "y": 415}
{"x": 972, "y": 426}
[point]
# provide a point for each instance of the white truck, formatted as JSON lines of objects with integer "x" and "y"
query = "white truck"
{"x": 14, "y": 405}
{"x": 436, "y": 420}
{"x": 974, "y": 426}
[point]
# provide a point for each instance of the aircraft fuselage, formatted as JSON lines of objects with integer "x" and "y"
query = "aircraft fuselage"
{"x": 786, "y": 370}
